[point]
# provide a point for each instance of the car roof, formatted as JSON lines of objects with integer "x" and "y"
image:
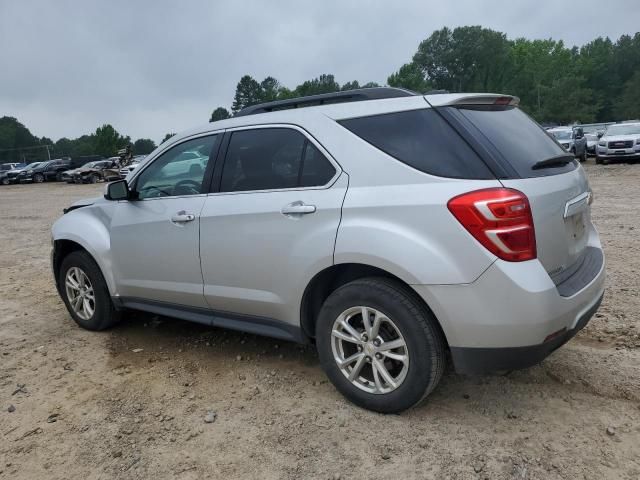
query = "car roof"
{"x": 342, "y": 111}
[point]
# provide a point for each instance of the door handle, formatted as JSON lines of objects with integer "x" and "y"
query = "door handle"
{"x": 298, "y": 208}
{"x": 183, "y": 217}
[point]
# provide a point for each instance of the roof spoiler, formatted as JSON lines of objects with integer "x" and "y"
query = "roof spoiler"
{"x": 472, "y": 99}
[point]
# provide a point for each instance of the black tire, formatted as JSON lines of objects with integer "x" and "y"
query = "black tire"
{"x": 59, "y": 177}
{"x": 93, "y": 178}
{"x": 598, "y": 160}
{"x": 104, "y": 314}
{"x": 605, "y": 161}
{"x": 38, "y": 178}
{"x": 424, "y": 341}
{"x": 5, "y": 181}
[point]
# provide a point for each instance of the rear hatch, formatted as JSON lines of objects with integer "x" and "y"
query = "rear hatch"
{"x": 526, "y": 158}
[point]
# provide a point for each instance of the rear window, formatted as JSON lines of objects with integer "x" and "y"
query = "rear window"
{"x": 423, "y": 140}
{"x": 516, "y": 139}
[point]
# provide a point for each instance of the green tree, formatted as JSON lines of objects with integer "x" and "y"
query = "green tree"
{"x": 409, "y": 76}
{"x": 248, "y": 92}
{"x": 167, "y": 136}
{"x": 325, "y": 83}
{"x": 143, "y": 146}
{"x": 108, "y": 141}
{"x": 350, "y": 86}
{"x": 628, "y": 105}
{"x": 219, "y": 113}
{"x": 269, "y": 90}
{"x": 465, "y": 59}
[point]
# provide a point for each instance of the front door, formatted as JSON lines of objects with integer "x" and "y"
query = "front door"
{"x": 155, "y": 238}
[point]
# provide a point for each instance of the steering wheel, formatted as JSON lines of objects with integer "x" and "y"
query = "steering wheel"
{"x": 187, "y": 187}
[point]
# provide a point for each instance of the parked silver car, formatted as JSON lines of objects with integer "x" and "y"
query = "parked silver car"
{"x": 572, "y": 139}
{"x": 619, "y": 142}
{"x": 391, "y": 229}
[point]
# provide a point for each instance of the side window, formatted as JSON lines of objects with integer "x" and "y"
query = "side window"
{"x": 272, "y": 158}
{"x": 177, "y": 172}
{"x": 316, "y": 169}
{"x": 421, "y": 139}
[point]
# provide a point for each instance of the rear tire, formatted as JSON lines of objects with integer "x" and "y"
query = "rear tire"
{"x": 85, "y": 293}
{"x": 404, "y": 321}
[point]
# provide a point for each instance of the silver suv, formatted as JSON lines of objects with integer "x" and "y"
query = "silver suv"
{"x": 393, "y": 230}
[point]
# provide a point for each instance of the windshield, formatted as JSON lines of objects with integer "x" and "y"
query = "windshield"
{"x": 6, "y": 166}
{"x": 31, "y": 166}
{"x": 631, "y": 129}
{"x": 562, "y": 134}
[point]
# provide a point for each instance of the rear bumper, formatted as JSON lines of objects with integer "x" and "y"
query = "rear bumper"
{"x": 473, "y": 361}
{"x": 508, "y": 313}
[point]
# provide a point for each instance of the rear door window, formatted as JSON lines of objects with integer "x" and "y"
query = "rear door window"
{"x": 272, "y": 159}
{"x": 423, "y": 140}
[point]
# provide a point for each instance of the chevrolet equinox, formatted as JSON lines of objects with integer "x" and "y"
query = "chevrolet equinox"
{"x": 395, "y": 231}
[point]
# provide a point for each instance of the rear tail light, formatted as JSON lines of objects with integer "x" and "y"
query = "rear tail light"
{"x": 500, "y": 219}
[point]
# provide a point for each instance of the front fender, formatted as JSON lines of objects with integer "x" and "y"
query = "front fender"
{"x": 89, "y": 228}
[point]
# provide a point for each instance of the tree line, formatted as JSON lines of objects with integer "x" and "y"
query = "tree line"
{"x": 17, "y": 143}
{"x": 598, "y": 82}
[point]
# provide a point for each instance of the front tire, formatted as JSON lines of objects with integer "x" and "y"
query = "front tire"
{"x": 38, "y": 178}
{"x": 85, "y": 292}
{"x": 380, "y": 345}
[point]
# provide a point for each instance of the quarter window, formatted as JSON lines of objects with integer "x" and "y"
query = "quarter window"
{"x": 423, "y": 140}
{"x": 273, "y": 158}
{"x": 179, "y": 171}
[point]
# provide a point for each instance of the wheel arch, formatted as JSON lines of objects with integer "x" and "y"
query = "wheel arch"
{"x": 97, "y": 246}
{"x": 331, "y": 278}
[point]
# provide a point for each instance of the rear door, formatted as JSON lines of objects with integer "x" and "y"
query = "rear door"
{"x": 558, "y": 192}
{"x": 271, "y": 223}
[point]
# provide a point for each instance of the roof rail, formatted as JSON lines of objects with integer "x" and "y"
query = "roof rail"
{"x": 360, "y": 94}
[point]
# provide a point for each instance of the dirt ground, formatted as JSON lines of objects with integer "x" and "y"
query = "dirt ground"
{"x": 93, "y": 405}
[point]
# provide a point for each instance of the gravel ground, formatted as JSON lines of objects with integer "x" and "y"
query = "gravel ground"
{"x": 132, "y": 402}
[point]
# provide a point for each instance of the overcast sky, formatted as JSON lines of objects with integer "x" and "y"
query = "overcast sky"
{"x": 156, "y": 66}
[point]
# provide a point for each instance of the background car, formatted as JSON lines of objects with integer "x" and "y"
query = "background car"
{"x": 124, "y": 171}
{"x": 94, "y": 172}
{"x": 620, "y": 141}
{"x": 592, "y": 142}
{"x": 5, "y": 168}
{"x": 46, "y": 171}
{"x": 13, "y": 176}
{"x": 572, "y": 140}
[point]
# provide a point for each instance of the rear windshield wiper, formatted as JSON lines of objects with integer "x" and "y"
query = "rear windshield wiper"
{"x": 557, "y": 161}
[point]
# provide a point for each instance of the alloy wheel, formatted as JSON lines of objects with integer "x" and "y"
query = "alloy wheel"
{"x": 369, "y": 350}
{"x": 80, "y": 293}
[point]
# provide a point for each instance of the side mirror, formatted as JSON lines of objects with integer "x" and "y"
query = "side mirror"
{"x": 118, "y": 190}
